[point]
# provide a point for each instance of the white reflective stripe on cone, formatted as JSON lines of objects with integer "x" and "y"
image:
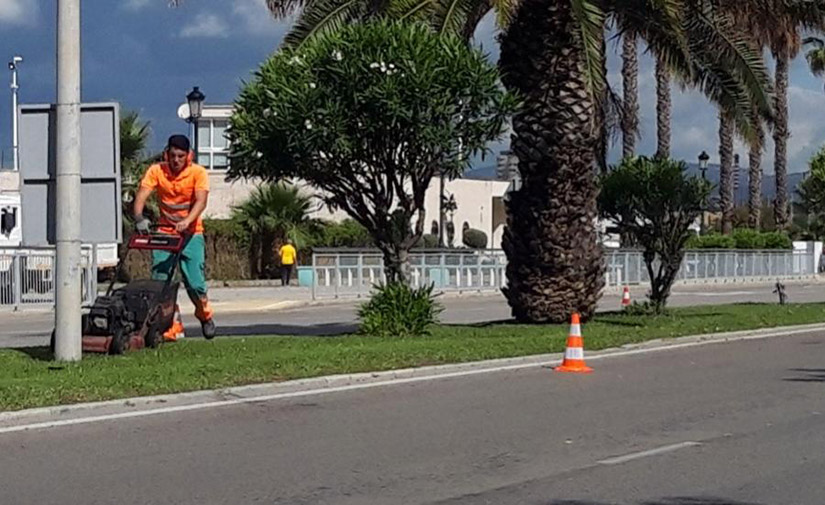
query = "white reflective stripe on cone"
{"x": 574, "y": 353}
{"x": 575, "y": 330}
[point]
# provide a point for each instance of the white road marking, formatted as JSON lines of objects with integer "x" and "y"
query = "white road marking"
{"x": 354, "y": 387}
{"x": 644, "y": 454}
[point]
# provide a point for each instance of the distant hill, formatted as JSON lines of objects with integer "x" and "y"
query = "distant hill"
{"x": 488, "y": 172}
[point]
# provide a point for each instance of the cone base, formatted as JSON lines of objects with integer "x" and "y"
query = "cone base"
{"x": 573, "y": 369}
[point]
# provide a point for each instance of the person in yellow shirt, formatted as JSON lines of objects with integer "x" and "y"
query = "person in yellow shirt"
{"x": 288, "y": 255}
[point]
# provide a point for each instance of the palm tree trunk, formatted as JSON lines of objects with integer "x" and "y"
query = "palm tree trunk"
{"x": 726, "y": 130}
{"x": 755, "y": 175}
{"x": 663, "y": 107}
{"x": 555, "y": 265}
{"x": 780, "y": 138}
{"x": 603, "y": 141}
{"x": 630, "y": 87}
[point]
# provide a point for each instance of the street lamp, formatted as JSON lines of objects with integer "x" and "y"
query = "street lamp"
{"x": 14, "y": 87}
{"x": 195, "y": 99}
{"x": 703, "y": 167}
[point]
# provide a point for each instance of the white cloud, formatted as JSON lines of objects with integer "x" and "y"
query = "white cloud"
{"x": 255, "y": 16}
{"x": 136, "y": 4}
{"x": 18, "y": 12}
{"x": 207, "y": 26}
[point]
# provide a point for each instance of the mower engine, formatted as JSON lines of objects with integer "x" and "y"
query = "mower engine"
{"x": 136, "y": 315}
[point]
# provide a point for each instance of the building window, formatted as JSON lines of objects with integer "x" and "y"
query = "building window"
{"x": 213, "y": 147}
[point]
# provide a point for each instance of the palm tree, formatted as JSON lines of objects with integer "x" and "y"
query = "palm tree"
{"x": 274, "y": 213}
{"x": 777, "y": 25}
{"x": 134, "y": 136}
{"x": 727, "y": 129}
{"x": 816, "y": 55}
{"x": 630, "y": 89}
{"x": 549, "y": 55}
{"x": 663, "y": 108}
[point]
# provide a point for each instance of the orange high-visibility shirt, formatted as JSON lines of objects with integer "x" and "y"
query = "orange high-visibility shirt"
{"x": 176, "y": 192}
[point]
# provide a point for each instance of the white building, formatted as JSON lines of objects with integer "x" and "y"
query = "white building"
{"x": 480, "y": 203}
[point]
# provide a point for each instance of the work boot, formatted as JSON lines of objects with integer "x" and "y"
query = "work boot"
{"x": 208, "y": 328}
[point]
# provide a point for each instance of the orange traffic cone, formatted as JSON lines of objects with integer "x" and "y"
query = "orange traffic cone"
{"x": 574, "y": 354}
{"x": 176, "y": 330}
{"x": 626, "y": 297}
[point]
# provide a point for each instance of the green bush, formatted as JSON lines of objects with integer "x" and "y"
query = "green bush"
{"x": 742, "y": 239}
{"x": 397, "y": 310}
{"x": 711, "y": 241}
{"x": 778, "y": 240}
{"x": 347, "y": 233}
{"x": 428, "y": 241}
{"x": 748, "y": 239}
{"x": 475, "y": 239}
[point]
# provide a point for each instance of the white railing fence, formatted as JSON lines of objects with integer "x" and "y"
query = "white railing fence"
{"x": 341, "y": 273}
{"x": 27, "y": 278}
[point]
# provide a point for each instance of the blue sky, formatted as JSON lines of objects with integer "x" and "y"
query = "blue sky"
{"x": 147, "y": 56}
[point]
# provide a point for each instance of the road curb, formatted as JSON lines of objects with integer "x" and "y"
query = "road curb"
{"x": 48, "y": 417}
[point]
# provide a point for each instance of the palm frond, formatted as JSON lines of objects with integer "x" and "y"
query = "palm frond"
{"x": 323, "y": 16}
{"x": 450, "y": 16}
{"x": 590, "y": 21}
{"x": 717, "y": 43}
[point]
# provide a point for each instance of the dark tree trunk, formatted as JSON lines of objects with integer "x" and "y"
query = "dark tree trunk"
{"x": 603, "y": 140}
{"x": 755, "y": 175}
{"x": 663, "y": 107}
{"x": 780, "y": 137}
{"x": 555, "y": 264}
{"x": 630, "y": 87}
{"x": 726, "y": 196}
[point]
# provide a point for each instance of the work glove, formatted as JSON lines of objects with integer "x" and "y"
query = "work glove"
{"x": 143, "y": 225}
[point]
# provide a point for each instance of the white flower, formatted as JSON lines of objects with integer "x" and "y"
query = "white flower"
{"x": 337, "y": 56}
{"x": 392, "y": 66}
{"x": 383, "y": 67}
{"x": 312, "y": 85}
{"x": 259, "y": 154}
{"x": 308, "y": 124}
{"x": 323, "y": 155}
{"x": 294, "y": 60}
{"x": 374, "y": 65}
{"x": 267, "y": 112}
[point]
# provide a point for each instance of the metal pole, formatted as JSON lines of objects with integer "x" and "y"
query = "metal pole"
{"x": 68, "y": 266}
{"x": 14, "y": 129}
{"x": 195, "y": 136}
{"x": 441, "y": 212}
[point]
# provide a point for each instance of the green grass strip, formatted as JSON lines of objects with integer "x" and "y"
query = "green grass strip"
{"x": 29, "y": 379}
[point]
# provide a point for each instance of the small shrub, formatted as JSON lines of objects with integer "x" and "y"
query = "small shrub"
{"x": 347, "y": 233}
{"x": 475, "y": 239}
{"x": 711, "y": 241}
{"x": 427, "y": 242}
{"x": 397, "y": 310}
{"x": 777, "y": 240}
{"x": 644, "y": 309}
{"x": 748, "y": 239}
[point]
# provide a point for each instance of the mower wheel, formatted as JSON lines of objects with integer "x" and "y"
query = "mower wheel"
{"x": 153, "y": 337}
{"x": 120, "y": 341}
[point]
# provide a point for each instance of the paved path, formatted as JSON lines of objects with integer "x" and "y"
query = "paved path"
{"x": 739, "y": 423}
{"x": 246, "y": 312}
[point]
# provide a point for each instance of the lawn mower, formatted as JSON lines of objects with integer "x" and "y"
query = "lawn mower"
{"x": 137, "y": 314}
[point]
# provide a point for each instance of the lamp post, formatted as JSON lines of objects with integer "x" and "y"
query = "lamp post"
{"x": 14, "y": 87}
{"x": 703, "y": 167}
{"x": 195, "y": 99}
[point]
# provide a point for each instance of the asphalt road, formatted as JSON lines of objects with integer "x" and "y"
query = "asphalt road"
{"x": 738, "y": 423}
{"x": 33, "y": 329}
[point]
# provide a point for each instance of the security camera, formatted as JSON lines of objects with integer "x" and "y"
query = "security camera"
{"x": 14, "y": 61}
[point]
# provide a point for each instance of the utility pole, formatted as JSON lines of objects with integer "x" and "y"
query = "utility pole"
{"x": 67, "y": 268}
{"x": 14, "y": 87}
